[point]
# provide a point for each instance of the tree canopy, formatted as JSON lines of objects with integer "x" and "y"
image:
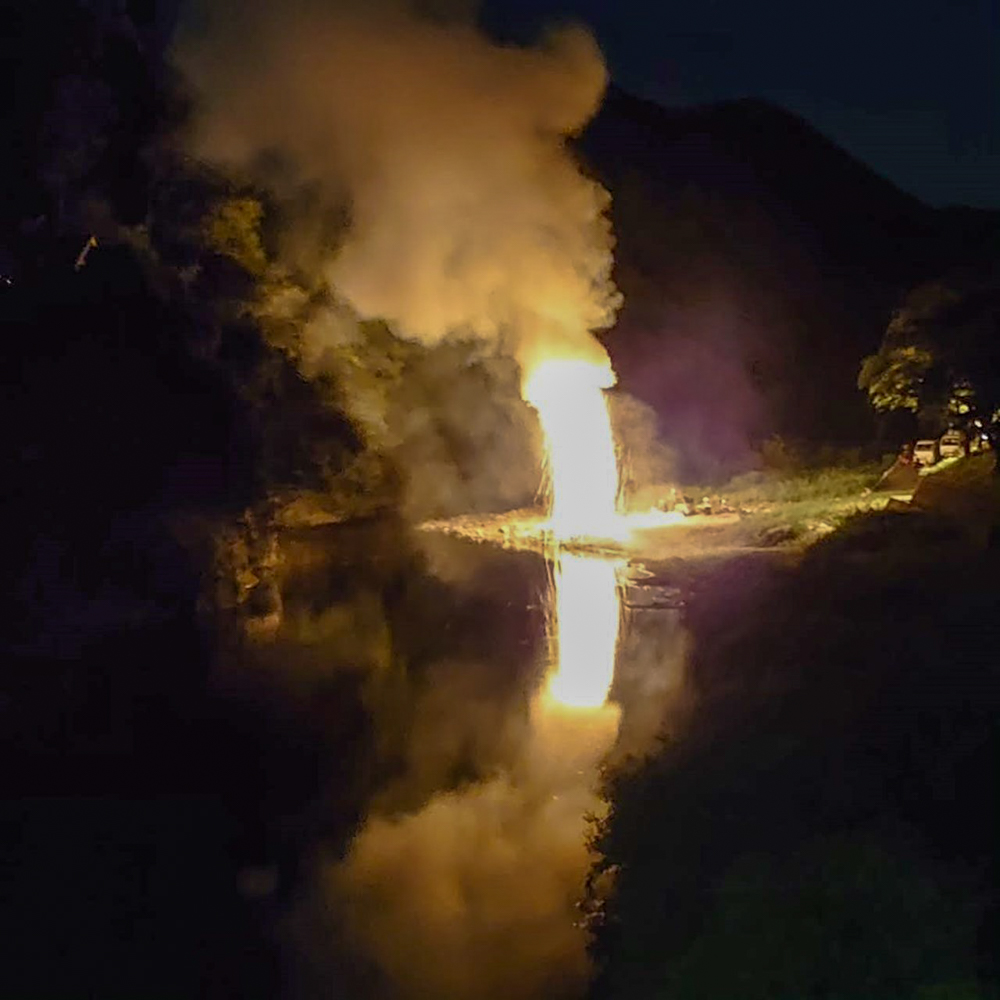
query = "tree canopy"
{"x": 940, "y": 356}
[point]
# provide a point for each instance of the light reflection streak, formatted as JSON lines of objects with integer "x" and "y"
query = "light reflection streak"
{"x": 584, "y": 625}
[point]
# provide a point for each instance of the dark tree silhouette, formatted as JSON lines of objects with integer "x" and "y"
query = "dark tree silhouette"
{"x": 940, "y": 356}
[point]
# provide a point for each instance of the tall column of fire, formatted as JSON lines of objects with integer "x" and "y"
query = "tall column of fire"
{"x": 582, "y": 471}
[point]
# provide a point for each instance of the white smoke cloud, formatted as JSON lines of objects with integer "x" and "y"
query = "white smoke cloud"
{"x": 466, "y": 211}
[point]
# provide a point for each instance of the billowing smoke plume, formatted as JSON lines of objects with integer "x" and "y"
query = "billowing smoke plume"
{"x": 466, "y": 213}
{"x": 464, "y": 216}
{"x": 644, "y": 461}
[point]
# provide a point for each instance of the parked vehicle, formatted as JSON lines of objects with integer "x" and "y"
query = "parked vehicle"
{"x": 926, "y": 452}
{"x": 953, "y": 444}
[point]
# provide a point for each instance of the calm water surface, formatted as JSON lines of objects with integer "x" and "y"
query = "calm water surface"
{"x": 396, "y": 688}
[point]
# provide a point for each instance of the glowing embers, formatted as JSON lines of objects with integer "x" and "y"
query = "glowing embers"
{"x": 579, "y": 446}
{"x": 583, "y": 630}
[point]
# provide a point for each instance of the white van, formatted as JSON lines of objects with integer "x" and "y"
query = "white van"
{"x": 926, "y": 452}
{"x": 953, "y": 444}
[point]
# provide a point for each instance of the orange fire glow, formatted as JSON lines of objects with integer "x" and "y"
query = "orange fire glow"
{"x": 584, "y": 630}
{"x": 580, "y": 447}
{"x": 582, "y": 468}
{"x": 583, "y": 479}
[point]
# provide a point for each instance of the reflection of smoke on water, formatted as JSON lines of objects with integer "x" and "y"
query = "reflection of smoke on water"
{"x": 475, "y": 895}
{"x": 460, "y": 725}
{"x": 475, "y": 892}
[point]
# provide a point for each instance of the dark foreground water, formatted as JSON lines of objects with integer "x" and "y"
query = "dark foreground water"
{"x": 444, "y": 853}
{"x": 315, "y": 765}
{"x": 335, "y": 787}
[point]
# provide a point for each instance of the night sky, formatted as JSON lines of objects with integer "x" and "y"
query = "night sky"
{"x": 911, "y": 87}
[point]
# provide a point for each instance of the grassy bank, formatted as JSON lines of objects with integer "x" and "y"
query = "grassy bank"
{"x": 775, "y": 508}
{"x": 770, "y": 487}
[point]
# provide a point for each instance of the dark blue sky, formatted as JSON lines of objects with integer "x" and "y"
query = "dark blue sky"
{"x": 911, "y": 88}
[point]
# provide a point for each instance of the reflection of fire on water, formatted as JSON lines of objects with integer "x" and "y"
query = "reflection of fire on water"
{"x": 475, "y": 895}
{"x": 573, "y": 724}
{"x": 584, "y": 626}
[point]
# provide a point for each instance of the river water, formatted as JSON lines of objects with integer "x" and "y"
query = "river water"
{"x": 427, "y": 807}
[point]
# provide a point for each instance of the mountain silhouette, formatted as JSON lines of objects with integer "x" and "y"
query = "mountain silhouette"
{"x": 759, "y": 262}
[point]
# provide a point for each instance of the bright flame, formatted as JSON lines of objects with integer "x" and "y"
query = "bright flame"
{"x": 580, "y": 448}
{"x": 655, "y": 519}
{"x": 585, "y": 630}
